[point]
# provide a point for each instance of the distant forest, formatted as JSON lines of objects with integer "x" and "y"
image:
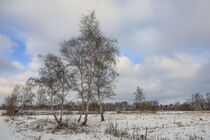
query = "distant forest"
{"x": 197, "y": 102}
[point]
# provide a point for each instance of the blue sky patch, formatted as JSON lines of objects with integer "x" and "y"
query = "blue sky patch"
{"x": 19, "y": 50}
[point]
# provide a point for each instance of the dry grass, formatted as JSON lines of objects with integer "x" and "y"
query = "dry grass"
{"x": 112, "y": 129}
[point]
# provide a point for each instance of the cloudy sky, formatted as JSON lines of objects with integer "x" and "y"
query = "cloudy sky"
{"x": 164, "y": 45}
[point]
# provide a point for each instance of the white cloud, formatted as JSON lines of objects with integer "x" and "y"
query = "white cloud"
{"x": 5, "y": 43}
{"x": 177, "y": 67}
{"x": 162, "y": 78}
{"x": 7, "y": 83}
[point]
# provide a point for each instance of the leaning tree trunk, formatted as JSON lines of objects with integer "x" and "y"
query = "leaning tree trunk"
{"x": 85, "y": 119}
{"x": 81, "y": 111}
{"x": 53, "y": 113}
{"x": 52, "y": 109}
{"x": 86, "y": 112}
{"x": 90, "y": 77}
{"x": 80, "y": 116}
{"x": 101, "y": 109}
{"x": 62, "y": 103}
{"x": 61, "y": 114}
{"x": 102, "y": 113}
{"x": 81, "y": 93}
{"x": 204, "y": 105}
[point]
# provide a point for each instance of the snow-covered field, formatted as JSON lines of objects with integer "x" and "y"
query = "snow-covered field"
{"x": 161, "y": 125}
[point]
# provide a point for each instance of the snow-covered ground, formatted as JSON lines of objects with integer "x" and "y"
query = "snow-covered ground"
{"x": 5, "y": 132}
{"x": 161, "y": 125}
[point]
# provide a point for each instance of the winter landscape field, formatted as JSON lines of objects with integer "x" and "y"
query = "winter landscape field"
{"x": 104, "y": 70}
{"x": 167, "y": 125}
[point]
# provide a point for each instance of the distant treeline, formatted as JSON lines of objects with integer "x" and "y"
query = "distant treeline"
{"x": 197, "y": 102}
{"x": 94, "y": 107}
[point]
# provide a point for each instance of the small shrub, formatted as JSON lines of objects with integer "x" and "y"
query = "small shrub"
{"x": 6, "y": 120}
{"x": 195, "y": 137}
{"x": 112, "y": 128}
{"x": 72, "y": 126}
{"x": 137, "y": 135}
{"x": 118, "y": 112}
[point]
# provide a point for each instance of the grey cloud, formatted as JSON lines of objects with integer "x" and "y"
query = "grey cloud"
{"x": 163, "y": 78}
{"x": 200, "y": 82}
{"x": 183, "y": 23}
{"x": 146, "y": 25}
{"x": 175, "y": 26}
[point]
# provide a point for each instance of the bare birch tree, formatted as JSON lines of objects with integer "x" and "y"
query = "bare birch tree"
{"x": 79, "y": 53}
{"x": 41, "y": 98}
{"x": 11, "y": 101}
{"x": 104, "y": 69}
{"x": 27, "y": 95}
{"x": 74, "y": 54}
{"x": 139, "y": 96}
{"x": 90, "y": 31}
{"x": 91, "y": 55}
{"x": 208, "y": 100}
{"x": 53, "y": 76}
{"x": 100, "y": 61}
